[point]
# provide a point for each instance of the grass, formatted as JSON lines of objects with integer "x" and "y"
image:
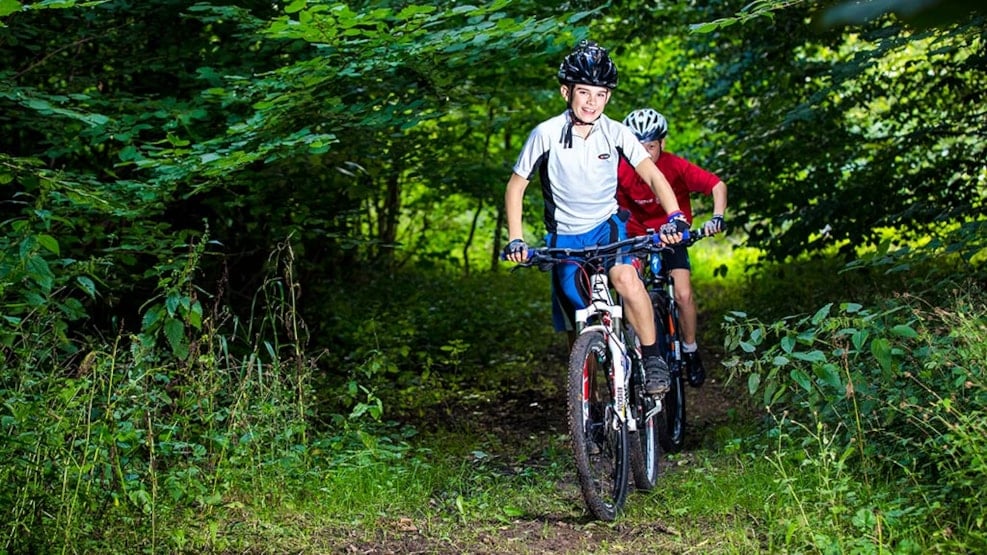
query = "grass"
{"x": 462, "y": 502}
{"x": 447, "y": 437}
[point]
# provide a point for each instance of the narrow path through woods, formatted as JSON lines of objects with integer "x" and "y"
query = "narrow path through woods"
{"x": 518, "y": 423}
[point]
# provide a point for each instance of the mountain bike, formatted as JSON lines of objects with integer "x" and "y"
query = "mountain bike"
{"x": 658, "y": 280}
{"x": 611, "y": 419}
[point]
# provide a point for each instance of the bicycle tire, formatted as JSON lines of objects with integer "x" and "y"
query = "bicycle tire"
{"x": 672, "y": 425}
{"x": 674, "y": 417}
{"x": 645, "y": 446}
{"x": 599, "y": 441}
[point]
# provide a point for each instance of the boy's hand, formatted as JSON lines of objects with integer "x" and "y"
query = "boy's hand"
{"x": 715, "y": 225}
{"x": 672, "y": 231}
{"x": 516, "y": 250}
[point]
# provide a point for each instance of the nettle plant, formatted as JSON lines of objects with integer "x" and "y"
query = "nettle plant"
{"x": 900, "y": 389}
{"x": 857, "y": 366}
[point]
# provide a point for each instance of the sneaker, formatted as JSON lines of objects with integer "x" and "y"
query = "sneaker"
{"x": 657, "y": 380}
{"x": 695, "y": 372}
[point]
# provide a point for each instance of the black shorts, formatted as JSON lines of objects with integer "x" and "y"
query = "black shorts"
{"x": 678, "y": 259}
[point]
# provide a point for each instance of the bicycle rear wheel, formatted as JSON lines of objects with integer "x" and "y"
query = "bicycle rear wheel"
{"x": 599, "y": 439}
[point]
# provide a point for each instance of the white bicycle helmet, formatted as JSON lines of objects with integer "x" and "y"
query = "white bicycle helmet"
{"x": 647, "y": 124}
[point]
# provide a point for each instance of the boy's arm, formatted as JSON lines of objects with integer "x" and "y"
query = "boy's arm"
{"x": 513, "y": 206}
{"x": 516, "y": 250}
{"x": 651, "y": 175}
{"x": 720, "y": 198}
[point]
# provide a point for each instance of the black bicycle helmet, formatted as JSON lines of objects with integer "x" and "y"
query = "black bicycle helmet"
{"x": 588, "y": 64}
{"x": 647, "y": 124}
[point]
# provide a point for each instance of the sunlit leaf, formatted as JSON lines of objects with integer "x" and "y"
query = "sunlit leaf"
{"x": 8, "y": 7}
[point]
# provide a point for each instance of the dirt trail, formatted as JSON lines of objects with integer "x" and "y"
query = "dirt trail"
{"x": 542, "y": 403}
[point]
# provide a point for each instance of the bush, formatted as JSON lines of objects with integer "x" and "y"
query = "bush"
{"x": 893, "y": 398}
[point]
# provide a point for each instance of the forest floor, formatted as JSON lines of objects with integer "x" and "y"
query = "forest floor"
{"x": 528, "y": 415}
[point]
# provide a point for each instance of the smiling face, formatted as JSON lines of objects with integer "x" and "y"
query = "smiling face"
{"x": 587, "y": 101}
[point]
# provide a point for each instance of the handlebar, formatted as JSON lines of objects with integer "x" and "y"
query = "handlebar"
{"x": 546, "y": 257}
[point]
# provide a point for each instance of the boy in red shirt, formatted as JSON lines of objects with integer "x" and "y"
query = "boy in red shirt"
{"x": 633, "y": 194}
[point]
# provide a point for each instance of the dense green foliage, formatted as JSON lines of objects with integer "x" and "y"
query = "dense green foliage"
{"x": 885, "y": 400}
{"x": 236, "y": 235}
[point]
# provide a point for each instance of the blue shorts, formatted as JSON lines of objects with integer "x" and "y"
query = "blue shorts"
{"x": 570, "y": 288}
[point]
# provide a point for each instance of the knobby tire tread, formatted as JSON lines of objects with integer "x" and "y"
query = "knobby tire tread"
{"x": 604, "y": 477}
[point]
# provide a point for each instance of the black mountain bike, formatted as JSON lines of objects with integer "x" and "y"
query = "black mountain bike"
{"x": 612, "y": 420}
{"x": 671, "y": 425}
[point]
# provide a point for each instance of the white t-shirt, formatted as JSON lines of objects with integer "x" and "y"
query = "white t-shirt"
{"x": 579, "y": 183}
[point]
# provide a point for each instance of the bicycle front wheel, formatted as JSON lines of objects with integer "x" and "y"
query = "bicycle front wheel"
{"x": 672, "y": 427}
{"x": 645, "y": 447}
{"x": 599, "y": 438}
{"x": 645, "y": 453}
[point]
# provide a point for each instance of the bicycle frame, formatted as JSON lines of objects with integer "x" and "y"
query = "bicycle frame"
{"x": 661, "y": 287}
{"x": 666, "y": 283}
{"x": 605, "y": 381}
{"x": 608, "y": 316}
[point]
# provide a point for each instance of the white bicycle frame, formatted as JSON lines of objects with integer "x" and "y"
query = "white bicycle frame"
{"x": 610, "y": 314}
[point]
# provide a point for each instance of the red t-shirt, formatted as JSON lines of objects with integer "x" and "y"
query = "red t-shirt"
{"x": 636, "y": 196}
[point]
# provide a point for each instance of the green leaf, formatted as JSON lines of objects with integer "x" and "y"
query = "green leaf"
{"x": 194, "y": 316}
{"x": 821, "y": 314}
{"x": 174, "y": 331}
{"x": 830, "y": 375}
{"x": 49, "y": 243}
{"x": 86, "y": 285}
{"x": 128, "y": 153}
{"x": 772, "y": 393}
{"x": 40, "y": 272}
{"x": 859, "y": 339}
{"x": 881, "y": 349}
{"x": 757, "y": 336}
{"x": 811, "y": 356}
{"x": 8, "y": 7}
{"x": 753, "y": 382}
{"x": 152, "y": 317}
{"x": 787, "y": 343}
{"x": 172, "y": 302}
{"x": 513, "y": 512}
{"x": 295, "y": 6}
{"x": 904, "y": 330}
{"x": 851, "y": 308}
{"x": 802, "y": 379}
